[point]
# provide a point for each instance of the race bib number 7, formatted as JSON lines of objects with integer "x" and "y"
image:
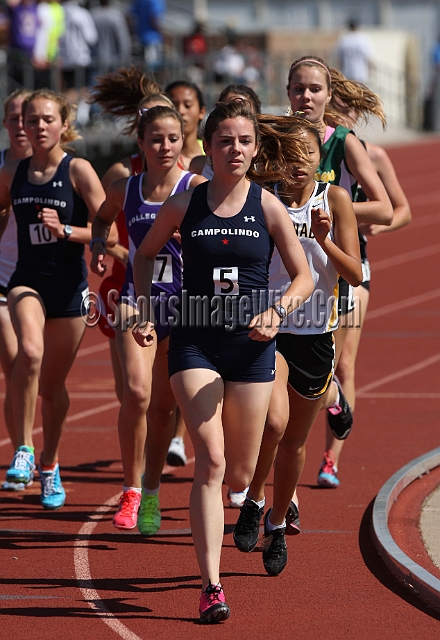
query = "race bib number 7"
{"x": 163, "y": 269}
{"x": 226, "y": 281}
{"x": 40, "y": 234}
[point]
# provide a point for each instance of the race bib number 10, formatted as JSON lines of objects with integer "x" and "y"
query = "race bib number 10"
{"x": 40, "y": 234}
{"x": 226, "y": 281}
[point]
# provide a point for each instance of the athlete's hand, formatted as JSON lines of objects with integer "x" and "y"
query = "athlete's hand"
{"x": 264, "y": 326}
{"x": 50, "y": 219}
{"x": 97, "y": 264}
{"x": 142, "y": 333}
{"x": 371, "y": 229}
{"x": 321, "y": 224}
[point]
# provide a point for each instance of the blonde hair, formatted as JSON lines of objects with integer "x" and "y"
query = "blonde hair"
{"x": 351, "y": 101}
{"x": 18, "y": 93}
{"x": 66, "y": 110}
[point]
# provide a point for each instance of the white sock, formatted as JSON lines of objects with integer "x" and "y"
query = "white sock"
{"x": 336, "y": 402}
{"x": 137, "y": 489}
{"x": 272, "y": 527}
{"x": 150, "y": 492}
{"x": 260, "y": 503}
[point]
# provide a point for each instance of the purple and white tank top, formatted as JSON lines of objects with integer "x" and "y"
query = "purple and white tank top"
{"x": 139, "y": 217}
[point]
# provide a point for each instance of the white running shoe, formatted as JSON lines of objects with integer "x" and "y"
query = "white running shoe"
{"x": 236, "y": 498}
{"x": 176, "y": 456}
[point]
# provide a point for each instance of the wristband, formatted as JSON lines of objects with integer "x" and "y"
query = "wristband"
{"x": 92, "y": 242}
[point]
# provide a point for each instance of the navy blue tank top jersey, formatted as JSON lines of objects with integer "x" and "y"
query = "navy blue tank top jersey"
{"x": 227, "y": 258}
{"x": 39, "y": 252}
{"x": 139, "y": 216}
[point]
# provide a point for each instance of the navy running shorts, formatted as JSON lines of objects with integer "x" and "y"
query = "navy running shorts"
{"x": 310, "y": 359}
{"x": 60, "y": 299}
{"x": 232, "y": 354}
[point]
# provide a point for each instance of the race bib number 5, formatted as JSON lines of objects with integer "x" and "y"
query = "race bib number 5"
{"x": 40, "y": 234}
{"x": 226, "y": 281}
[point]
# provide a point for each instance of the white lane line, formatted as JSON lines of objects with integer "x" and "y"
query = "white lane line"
{"x": 410, "y": 396}
{"x": 75, "y": 416}
{"x": 87, "y": 351}
{"x": 427, "y": 198}
{"x": 82, "y": 566}
{"x": 403, "y": 258}
{"x": 83, "y": 395}
{"x": 84, "y": 578}
{"x": 402, "y": 304}
{"x": 399, "y": 374}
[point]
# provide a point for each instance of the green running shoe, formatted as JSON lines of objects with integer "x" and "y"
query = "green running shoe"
{"x": 149, "y": 515}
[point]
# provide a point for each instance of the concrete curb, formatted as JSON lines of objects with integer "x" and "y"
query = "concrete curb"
{"x": 412, "y": 575}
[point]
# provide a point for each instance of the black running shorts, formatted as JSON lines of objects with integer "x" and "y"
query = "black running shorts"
{"x": 310, "y": 359}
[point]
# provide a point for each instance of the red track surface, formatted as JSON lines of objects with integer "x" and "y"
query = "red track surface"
{"x": 70, "y": 574}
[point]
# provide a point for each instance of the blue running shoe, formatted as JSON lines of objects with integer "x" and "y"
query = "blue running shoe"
{"x": 328, "y": 471}
{"x": 53, "y": 495}
{"x": 22, "y": 467}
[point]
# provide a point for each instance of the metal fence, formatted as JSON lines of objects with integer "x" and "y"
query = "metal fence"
{"x": 400, "y": 92}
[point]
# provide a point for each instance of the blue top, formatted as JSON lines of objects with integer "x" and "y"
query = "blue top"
{"x": 148, "y": 13}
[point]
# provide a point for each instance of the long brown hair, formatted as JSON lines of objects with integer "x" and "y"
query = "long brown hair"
{"x": 351, "y": 101}
{"x": 236, "y": 108}
{"x": 282, "y": 145}
{"x": 120, "y": 93}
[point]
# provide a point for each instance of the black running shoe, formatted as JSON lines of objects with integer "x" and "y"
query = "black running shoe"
{"x": 274, "y": 549}
{"x": 292, "y": 520}
{"x": 340, "y": 418}
{"x": 247, "y": 529}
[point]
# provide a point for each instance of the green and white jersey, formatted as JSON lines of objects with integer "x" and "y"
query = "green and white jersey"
{"x": 332, "y": 168}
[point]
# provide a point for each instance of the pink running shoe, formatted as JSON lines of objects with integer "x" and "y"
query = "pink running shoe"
{"x": 127, "y": 514}
{"x": 213, "y": 608}
{"x": 327, "y": 476}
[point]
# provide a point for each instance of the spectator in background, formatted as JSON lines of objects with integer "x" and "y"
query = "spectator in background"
{"x": 113, "y": 49}
{"x": 75, "y": 47}
{"x": 50, "y": 28}
{"x": 230, "y": 63}
{"x": 148, "y": 16}
{"x": 355, "y": 54}
{"x": 22, "y": 16}
{"x": 195, "y": 48}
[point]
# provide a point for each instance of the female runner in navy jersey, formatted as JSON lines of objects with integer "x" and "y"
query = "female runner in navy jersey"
{"x": 144, "y": 373}
{"x": 53, "y": 195}
{"x": 19, "y": 148}
{"x": 222, "y": 365}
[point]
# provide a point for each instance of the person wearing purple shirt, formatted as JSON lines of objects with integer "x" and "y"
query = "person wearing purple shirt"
{"x": 22, "y": 15}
